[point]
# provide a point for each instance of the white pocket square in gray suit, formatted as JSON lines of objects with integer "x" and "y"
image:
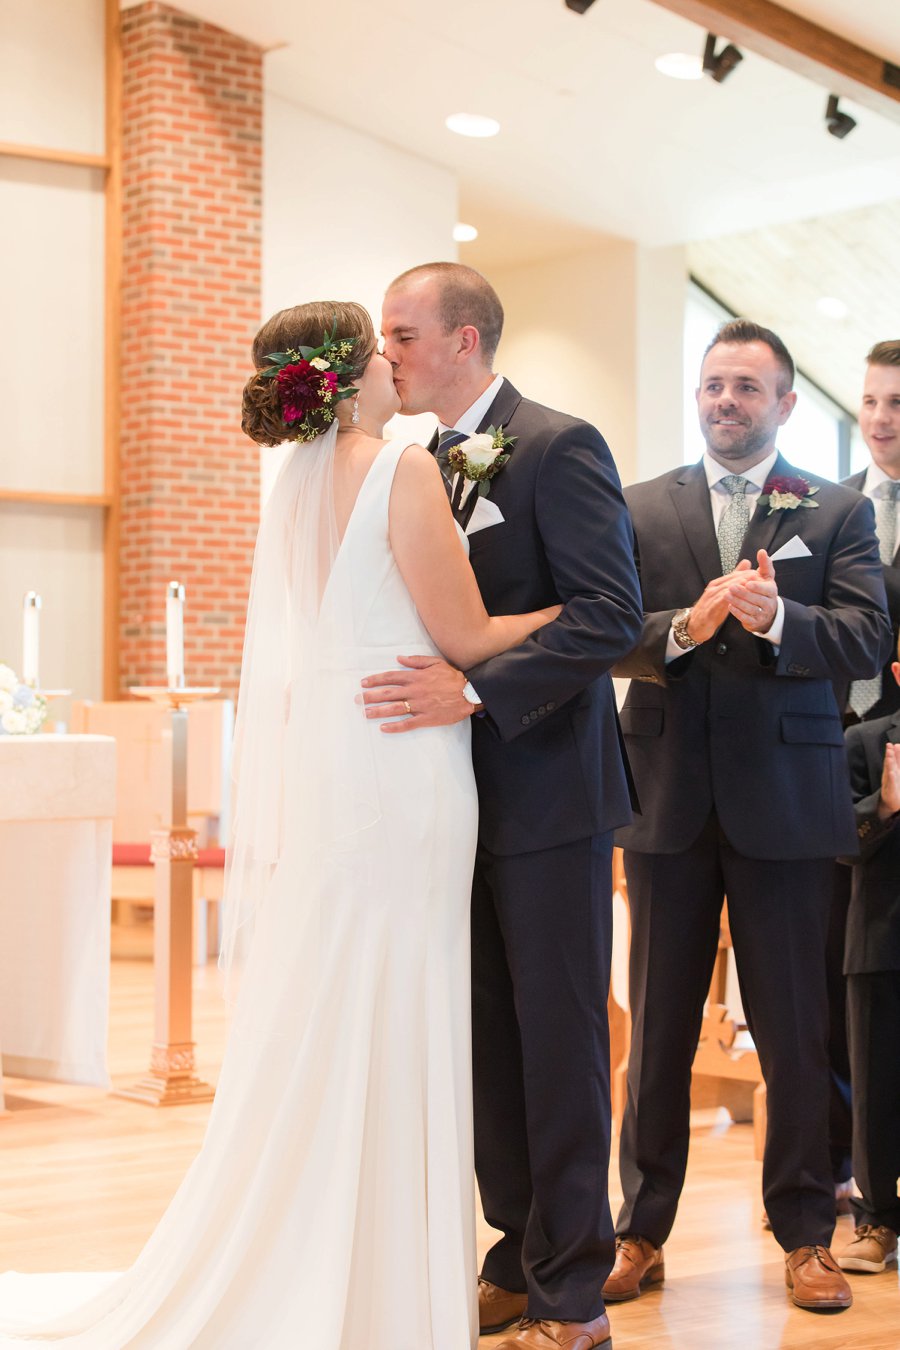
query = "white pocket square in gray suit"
{"x": 794, "y": 548}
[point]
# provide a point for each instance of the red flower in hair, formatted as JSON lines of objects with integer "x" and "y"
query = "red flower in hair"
{"x": 303, "y": 389}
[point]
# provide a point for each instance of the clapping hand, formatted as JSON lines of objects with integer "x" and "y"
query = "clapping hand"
{"x": 712, "y": 609}
{"x": 890, "y": 782}
{"x": 753, "y": 595}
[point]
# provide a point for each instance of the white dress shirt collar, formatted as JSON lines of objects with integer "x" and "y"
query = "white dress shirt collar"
{"x": 756, "y": 476}
{"x": 874, "y": 478}
{"x": 474, "y": 415}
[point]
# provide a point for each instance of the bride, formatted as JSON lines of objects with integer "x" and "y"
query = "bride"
{"x": 332, "y": 1204}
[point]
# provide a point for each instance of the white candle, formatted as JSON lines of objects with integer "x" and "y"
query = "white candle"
{"x": 31, "y": 638}
{"x": 175, "y": 635}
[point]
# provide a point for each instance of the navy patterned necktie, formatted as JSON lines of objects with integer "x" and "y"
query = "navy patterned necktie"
{"x": 446, "y": 442}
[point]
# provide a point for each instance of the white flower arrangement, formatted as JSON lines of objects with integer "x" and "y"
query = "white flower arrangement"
{"x": 22, "y": 711}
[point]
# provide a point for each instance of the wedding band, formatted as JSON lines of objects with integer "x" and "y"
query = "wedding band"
{"x": 407, "y": 707}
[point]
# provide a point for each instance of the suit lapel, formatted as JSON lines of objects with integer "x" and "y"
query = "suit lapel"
{"x": 690, "y": 497}
{"x": 858, "y": 481}
{"x": 766, "y": 529}
{"x": 501, "y": 410}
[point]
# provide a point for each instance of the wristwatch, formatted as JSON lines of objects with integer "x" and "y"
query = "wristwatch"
{"x": 680, "y": 632}
{"x": 470, "y": 695}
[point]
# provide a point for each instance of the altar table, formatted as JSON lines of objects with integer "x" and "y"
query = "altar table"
{"x": 57, "y": 802}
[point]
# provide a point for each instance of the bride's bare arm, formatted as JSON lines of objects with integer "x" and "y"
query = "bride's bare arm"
{"x": 434, "y": 565}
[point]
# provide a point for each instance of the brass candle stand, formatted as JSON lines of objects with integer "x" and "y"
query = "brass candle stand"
{"x": 173, "y": 851}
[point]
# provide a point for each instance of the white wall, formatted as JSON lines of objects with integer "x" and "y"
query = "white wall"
{"x": 599, "y": 334}
{"x": 52, "y": 92}
{"x": 660, "y": 301}
{"x": 343, "y": 214}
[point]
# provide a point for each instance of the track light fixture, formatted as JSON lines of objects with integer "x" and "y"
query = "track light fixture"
{"x": 720, "y": 65}
{"x": 579, "y": 6}
{"x": 839, "y": 124}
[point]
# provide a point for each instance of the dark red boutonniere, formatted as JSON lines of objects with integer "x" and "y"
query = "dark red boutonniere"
{"x": 787, "y": 493}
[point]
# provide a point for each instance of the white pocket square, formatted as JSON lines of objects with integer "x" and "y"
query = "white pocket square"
{"x": 794, "y": 548}
{"x": 486, "y": 513}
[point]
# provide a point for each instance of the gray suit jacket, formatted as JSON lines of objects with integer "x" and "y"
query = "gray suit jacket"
{"x": 735, "y": 724}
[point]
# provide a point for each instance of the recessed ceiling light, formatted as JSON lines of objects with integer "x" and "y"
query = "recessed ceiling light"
{"x": 464, "y": 234}
{"x": 831, "y": 307}
{"x": 472, "y": 124}
{"x": 680, "y": 66}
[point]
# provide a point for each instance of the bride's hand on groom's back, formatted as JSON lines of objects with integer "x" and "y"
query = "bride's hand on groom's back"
{"x": 426, "y": 693}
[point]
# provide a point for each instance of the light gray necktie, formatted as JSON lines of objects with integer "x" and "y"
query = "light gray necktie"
{"x": 864, "y": 694}
{"x": 734, "y": 521}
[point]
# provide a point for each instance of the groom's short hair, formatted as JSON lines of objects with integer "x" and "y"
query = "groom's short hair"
{"x": 465, "y": 297}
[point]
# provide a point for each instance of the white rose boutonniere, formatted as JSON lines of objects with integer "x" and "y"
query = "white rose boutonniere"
{"x": 477, "y": 459}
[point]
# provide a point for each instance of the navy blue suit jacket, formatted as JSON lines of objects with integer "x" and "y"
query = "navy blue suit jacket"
{"x": 890, "y": 690}
{"x": 734, "y": 724}
{"x": 873, "y": 920}
{"x": 548, "y": 753}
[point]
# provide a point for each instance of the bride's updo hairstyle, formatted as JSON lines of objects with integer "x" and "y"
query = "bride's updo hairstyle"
{"x": 338, "y": 342}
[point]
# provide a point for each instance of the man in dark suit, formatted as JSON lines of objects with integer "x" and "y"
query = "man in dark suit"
{"x": 872, "y": 964}
{"x": 761, "y": 589}
{"x": 879, "y": 422}
{"x": 865, "y": 701}
{"x": 552, "y": 786}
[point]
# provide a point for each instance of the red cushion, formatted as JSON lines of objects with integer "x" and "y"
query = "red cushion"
{"x": 131, "y": 855}
{"x": 138, "y": 855}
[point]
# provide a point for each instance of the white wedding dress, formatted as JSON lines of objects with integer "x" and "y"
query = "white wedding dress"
{"x": 332, "y": 1204}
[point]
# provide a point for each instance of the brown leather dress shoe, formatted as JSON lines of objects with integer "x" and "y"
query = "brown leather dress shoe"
{"x": 815, "y": 1280}
{"x": 639, "y": 1265}
{"x": 498, "y": 1308}
{"x": 534, "y": 1334}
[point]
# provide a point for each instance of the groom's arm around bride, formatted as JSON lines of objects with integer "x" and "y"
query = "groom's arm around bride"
{"x": 552, "y": 784}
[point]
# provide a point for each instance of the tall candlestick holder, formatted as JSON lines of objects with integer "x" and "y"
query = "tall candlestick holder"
{"x": 173, "y": 851}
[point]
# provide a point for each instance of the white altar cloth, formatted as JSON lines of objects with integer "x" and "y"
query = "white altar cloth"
{"x": 57, "y": 802}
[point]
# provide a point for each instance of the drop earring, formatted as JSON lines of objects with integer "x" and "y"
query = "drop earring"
{"x": 355, "y": 418}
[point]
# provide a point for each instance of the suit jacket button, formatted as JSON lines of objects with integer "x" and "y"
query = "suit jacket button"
{"x": 550, "y": 707}
{"x": 525, "y": 720}
{"x": 542, "y": 709}
{"x": 721, "y": 648}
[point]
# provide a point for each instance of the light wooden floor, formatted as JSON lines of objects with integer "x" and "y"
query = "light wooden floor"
{"x": 84, "y": 1176}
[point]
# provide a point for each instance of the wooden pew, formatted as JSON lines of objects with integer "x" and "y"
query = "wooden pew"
{"x": 143, "y": 748}
{"x": 726, "y": 1069}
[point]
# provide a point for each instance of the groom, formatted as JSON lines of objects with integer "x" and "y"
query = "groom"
{"x": 552, "y": 787}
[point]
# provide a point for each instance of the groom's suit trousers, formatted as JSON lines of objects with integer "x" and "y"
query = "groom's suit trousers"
{"x": 541, "y": 943}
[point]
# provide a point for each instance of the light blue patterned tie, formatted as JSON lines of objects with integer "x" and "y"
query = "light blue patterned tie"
{"x": 864, "y": 694}
{"x": 734, "y": 521}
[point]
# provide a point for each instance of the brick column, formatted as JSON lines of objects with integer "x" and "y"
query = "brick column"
{"x": 192, "y": 174}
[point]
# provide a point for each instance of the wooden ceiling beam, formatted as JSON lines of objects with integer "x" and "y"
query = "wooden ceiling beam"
{"x": 781, "y": 36}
